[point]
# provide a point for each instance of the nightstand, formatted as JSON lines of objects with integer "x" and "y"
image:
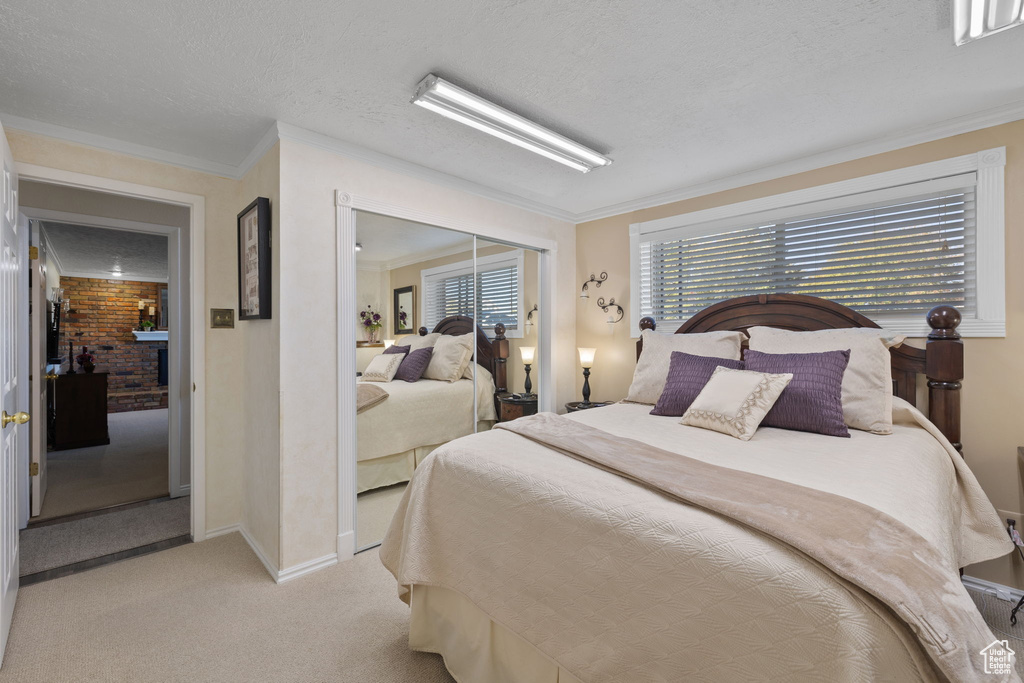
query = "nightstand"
{"x": 511, "y": 406}
{"x": 579, "y": 405}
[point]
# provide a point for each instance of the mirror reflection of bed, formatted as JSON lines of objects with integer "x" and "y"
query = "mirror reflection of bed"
{"x": 442, "y": 318}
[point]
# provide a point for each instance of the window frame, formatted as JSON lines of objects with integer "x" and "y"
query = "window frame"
{"x": 471, "y": 266}
{"x": 988, "y": 167}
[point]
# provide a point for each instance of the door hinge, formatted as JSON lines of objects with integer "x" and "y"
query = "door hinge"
{"x": 33, "y": 253}
{"x": 33, "y": 469}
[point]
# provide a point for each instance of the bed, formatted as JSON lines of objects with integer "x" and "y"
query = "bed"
{"x": 522, "y": 564}
{"x": 398, "y": 433}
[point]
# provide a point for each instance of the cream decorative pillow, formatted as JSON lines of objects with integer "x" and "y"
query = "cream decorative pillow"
{"x": 734, "y": 402}
{"x": 867, "y": 382}
{"x": 652, "y": 367}
{"x": 382, "y": 368}
{"x": 451, "y": 356}
{"x": 417, "y": 342}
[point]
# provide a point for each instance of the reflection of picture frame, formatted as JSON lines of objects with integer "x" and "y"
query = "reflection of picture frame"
{"x": 404, "y": 303}
{"x": 254, "y": 261}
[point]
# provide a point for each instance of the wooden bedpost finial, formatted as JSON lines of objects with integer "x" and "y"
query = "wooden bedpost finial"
{"x": 944, "y": 320}
{"x": 647, "y": 323}
{"x": 499, "y": 331}
{"x": 423, "y": 331}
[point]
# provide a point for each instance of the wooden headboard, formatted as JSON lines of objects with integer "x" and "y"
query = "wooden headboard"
{"x": 491, "y": 354}
{"x": 941, "y": 361}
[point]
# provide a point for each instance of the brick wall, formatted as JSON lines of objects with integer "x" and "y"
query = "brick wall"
{"x": 103, "y": 315}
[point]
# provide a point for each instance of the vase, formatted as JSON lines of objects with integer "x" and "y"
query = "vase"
{"x": 88, "y": 367}
{"x": 371, "y": 336}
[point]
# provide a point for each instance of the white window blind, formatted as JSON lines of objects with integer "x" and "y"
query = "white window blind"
{"x": 497, "y": 294}
{"x": 895, "y": 257}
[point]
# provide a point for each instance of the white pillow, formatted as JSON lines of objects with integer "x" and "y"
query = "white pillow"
{"x": 450, "y": 357}
{"x": 652, "y": 367}
{"x": 417, "y": 342}
{"x": 734, "y": 402}
{"x": 867, "y": 382}
{"x": 382, "y": 368}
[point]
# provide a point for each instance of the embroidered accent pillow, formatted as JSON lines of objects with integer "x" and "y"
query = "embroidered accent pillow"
{"x": 382, "y": 368}
{"x": 734, "y": 402}
{"x": 452, "y": 353}
{"x": 652, "y": 367}
{"x": 813, "y": 401}
{"x": 867, "y": 382}
{"x": 414, "y": 365}
{"x": 687, "y": 375}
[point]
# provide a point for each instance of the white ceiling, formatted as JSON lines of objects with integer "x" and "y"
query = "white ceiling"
{"x": 677, "y": 93}
{"x": 85, "y": 251}
{"x": 387, "y": 242}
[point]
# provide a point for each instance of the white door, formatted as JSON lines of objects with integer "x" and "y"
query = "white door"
{"x": 13, "y": 359}
{"x": 39, "y": 378}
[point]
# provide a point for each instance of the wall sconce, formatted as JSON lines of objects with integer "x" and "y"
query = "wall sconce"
{"x": 611, "y": 304}
{"x": 529, "y": 317}
{"x": 597, "y": 283}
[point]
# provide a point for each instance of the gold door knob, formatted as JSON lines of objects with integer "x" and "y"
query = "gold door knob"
{"x": 17, "y": 418}
{"x": 52, "y": 375}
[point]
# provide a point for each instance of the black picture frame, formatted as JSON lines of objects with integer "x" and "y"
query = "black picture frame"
{"x": 254, "y": 261}
{"x": 406, "y": 294}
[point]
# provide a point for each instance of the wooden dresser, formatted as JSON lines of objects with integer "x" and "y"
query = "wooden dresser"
{"x": 80, "y": 410}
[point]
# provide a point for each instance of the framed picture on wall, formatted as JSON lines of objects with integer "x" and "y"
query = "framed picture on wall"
{"x": 405, "y": 320}
{"x": 254, "y": 261}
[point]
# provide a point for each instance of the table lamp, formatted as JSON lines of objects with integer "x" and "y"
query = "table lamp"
{"x": 527, "y": 353}
{"x": 587, "y": 361}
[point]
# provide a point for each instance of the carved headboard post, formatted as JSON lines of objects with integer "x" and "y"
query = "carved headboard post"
{"x": 422, "y": 331}
{"x": 944, "y": 368}
{"x": 500, "y": 346}
{"x": 646, "y": 323}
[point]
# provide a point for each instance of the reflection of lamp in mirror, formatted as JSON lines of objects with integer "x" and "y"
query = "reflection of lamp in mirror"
{"x": 529, "y": 317}
{"x": 527, "y": 353}
{"x": 388, "y": 343}
{"x": 587, "y": 361}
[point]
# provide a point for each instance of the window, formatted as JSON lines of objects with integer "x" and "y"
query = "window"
{"x": 448, "y": 290}
{"x": 891, "y": 253}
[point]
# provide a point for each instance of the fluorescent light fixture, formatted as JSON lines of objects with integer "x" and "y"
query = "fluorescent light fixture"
{"x": 446, "y": 99}
{"x": 973, "y": 19}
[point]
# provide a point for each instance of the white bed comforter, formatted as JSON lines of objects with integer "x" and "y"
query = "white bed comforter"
{"x": 423, "y": 413}
{"x": 615, "y": 582}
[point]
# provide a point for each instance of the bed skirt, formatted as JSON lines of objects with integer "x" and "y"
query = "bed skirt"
{"x": 398, "y": 467}
{"x": 475, "y": 648}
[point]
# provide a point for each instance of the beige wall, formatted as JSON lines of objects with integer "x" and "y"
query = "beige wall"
{"x": 309, "y": 446}
{"x": 994, "y": 385}
{"x": 224, "y": 399}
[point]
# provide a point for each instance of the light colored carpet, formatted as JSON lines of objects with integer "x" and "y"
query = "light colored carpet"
{"x": 374, "y": 510}
{"x": 59, "y": 545}
{"x": 209, "y": 612}
{"x": 997, "y": 615}
{"x": 132, "y": 467}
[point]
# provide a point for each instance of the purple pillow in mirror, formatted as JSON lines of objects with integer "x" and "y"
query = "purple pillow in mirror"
{"x": 813, "y": 400}
{"x": 395, "y": 348}
{"x": 414, "y": 365}
{"x": 687, "y": 375}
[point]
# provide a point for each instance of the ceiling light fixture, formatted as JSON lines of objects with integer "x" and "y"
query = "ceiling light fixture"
{"x": 973, "y": 19}
{"x": 446, "y": 99}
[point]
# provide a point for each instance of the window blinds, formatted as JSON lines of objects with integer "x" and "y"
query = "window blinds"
{"x": 496, "y": 296}
{"x": 898, "y": 257}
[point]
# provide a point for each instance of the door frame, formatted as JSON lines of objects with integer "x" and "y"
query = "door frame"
{"x": 346, "y": 205}
{"x": 196, "y": 242}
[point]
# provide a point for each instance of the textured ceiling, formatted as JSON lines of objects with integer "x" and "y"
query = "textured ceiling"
{"x": 82, "y": 250}
{"x": 385, "y": 239}
{"x": 678, "y": 93}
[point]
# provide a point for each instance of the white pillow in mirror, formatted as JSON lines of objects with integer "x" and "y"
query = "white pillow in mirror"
{"x": 867, "y": 382}
{"x": 652, "y": 367}
{"x": 734, "y": 402}
{"x": 417, "y": 342}
{"x": 450, "y": 357}
{"x": 382, "y": 368}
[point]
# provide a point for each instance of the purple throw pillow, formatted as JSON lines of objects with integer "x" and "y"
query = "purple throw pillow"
{"x": 687, "y": 375}
{"x": 395, "y": 348}
{"x": 414, "y": 365}
{"x": 813, "y": 401}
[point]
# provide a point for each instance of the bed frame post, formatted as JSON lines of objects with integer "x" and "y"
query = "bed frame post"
{"x": 500, "y": 346}
{"x": 423, "y": 331}
{"x": 944, "y": 368}
{"x": 646, "y": 323}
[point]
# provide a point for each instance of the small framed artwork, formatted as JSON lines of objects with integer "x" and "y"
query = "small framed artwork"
{"x": 254, "y": 261}
{"x": 405, "y": 322}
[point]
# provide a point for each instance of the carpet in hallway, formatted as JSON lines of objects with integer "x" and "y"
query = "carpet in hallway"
{"x": 133, "y": 466}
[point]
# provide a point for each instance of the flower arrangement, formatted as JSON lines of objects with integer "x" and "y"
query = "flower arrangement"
{"x": 371, "y": 321}
{"x": 403, "y": 318}
{"x": 148, "y": 325}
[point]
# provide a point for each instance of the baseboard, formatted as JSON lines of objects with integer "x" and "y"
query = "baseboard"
{"x": 307, "y": 568}
{"x": 270, "y": 566}
{"x": 223, "y": 530}
{"x": 996, "y": 589}
{"x": 184, "y": 490}
{"x": 346, "y": 546}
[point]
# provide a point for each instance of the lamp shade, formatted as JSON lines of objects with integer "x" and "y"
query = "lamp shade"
{"x": 388, "y": 343}
{"x": 587, "y": 357}
{"x": 527, "y": 353}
